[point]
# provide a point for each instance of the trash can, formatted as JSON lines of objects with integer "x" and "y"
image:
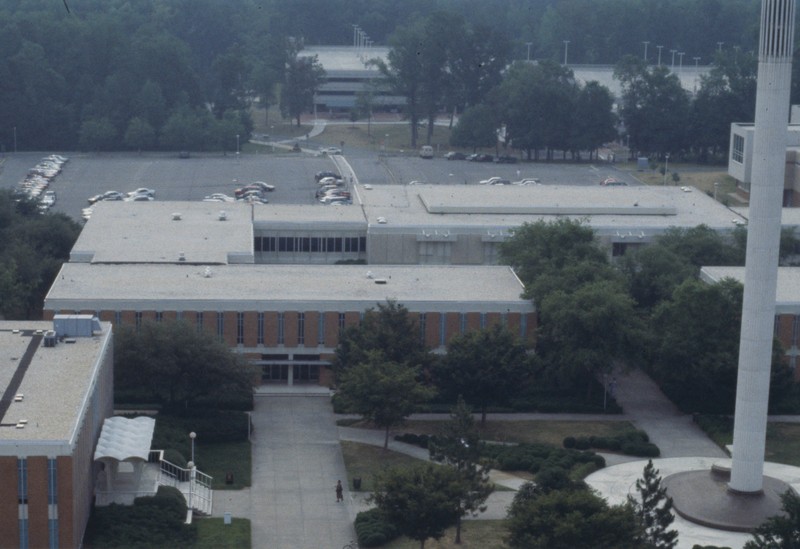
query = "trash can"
{"x": 356, "y": 483}
{"x": 227, "y": 518}
{"x": 229, "y": 478}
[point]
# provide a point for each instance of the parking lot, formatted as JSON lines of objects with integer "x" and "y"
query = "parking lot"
{"x": 193, "y": 178}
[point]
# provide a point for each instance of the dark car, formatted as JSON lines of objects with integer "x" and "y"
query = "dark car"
{"x": 452, "y": 155}
{"x": 478, "y": 157}
{"x": 506, "y": 159}
{"x": 321, "y": 175}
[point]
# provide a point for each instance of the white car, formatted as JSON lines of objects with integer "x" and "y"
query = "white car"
{"x": 491, "y": 181}
{"x": 264, "y": 186}
{"x": 142, "y": 190}
{"x": 330, "y": 150}
{"x": 219, "y": 197}
{"x": 49, "y": 198}
{"x": 527, "y": 181}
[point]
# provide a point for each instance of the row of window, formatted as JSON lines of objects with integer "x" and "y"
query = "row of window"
{"x": 301, "y": 326}
{"x": 310, "y": 244}
{"x": 52, "y": 503}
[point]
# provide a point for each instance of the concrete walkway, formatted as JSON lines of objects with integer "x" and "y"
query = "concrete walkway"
{"x": 296, "y": 463}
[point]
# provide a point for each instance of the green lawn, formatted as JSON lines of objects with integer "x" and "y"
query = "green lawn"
{"x": 783, "y": 443}
{"x": 364, "y": 461}
{"x": 212, "y": 533}
{"x": 219, "y": 459}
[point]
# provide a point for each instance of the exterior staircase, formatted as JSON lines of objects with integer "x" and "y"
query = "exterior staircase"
{"x": 193, "y": 484}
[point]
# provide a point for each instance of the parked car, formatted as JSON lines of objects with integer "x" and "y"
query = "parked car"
{"x": 108, "y": 195}
{"x": 221, "y": 197}
{"x": 479, "y": 157}
{"x": 240, "y": 192}
{"x": 494, "y": 181}
{"x": 330, "y": 181}
{"x": 526, "y": 181}
{"x": 426, "y": 151}
{"x": 320, "y": 175}
{"x": 330, "y": 150}
{"x": 613, "y": 182}
{"x": 139, "y": 198}
{"x": 453, "y": 155}
{"x": 143, "y": 190}
{"x": 264, "y": 186}
{"x": 506, "y": 159}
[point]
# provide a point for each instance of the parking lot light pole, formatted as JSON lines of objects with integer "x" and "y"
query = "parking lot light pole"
{"x": 659, "y": 54}
{"x": 529, "y": 44}
{"x": 666, "y": 168}
{"x": 192, "y": 436}
{"x": 566, "y": 49}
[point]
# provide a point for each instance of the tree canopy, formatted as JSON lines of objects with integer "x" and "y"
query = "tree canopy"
{"x": 484, "y": 367}
{"x": 382, "y": 391}
{"x": 781, "y": 531}
{"x": 32, "y": 249}
{"x": 173, "y": 363}
{"x": 421, "y": 501}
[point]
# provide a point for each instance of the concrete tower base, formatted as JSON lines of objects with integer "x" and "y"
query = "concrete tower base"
{"x": 703, "y": 497}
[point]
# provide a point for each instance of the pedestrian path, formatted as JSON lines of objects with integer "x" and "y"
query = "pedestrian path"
{"x": 297, "y": 460}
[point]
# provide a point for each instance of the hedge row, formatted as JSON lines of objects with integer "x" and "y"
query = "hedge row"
{"x": 534, "y": 457}
{"x": 632, "y": 443}
{"x": 373, "y": 530}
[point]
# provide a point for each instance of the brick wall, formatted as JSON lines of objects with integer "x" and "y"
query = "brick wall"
{"x": 9, "y": 514}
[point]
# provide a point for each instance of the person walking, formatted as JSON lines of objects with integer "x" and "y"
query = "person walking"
{"x": 339, "y": 491}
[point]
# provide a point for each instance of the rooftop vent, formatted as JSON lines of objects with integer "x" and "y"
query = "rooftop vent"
{"x": 50, "y": 338}
{"x": 223, "y": 215}
{"x": 176, "y": 216}
{"x": 76, "y": 325}
{"x": 380, "y": 281}
{"x": 382, "y": 220}
{"x": 207, "y": 272}
{"x": 19, "y": 397}
{"x": 181, "y": 256}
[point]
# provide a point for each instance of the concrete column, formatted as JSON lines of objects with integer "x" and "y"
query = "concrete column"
{"x": 761, "y": 270}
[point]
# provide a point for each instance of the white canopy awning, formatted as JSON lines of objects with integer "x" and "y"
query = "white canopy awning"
{"x": 125, "y": 439}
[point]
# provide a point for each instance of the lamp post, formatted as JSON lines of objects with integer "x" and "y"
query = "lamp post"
{"x": 719, "y": 46}
{"x": 566, "y": 49}
{"x": 673, "y": 52}
{"x": 680, "y": 58}
{"x": 355, "y": 36}
{"x": 716, "y": 186}
{"x": 666, "y": 168}
{"x": 646, "y": 42}
{"x": 529, "y": 44}
{"x": 192, "y": 475}
{"x": 192, "y": 436}
{"x": 659, "y": 54}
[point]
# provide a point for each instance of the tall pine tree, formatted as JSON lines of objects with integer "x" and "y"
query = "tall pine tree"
{"x": 653, "y": 508}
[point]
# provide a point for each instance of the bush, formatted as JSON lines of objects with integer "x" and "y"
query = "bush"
{"x": 537, "y": 457}
{"x": 373, "y": 530}
{"x": 632, "y": 443}
{"x": 417, "y": 440}
{"x": 174, "y": 456}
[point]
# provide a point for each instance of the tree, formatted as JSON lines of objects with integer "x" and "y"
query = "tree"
{"x": 382, "y": 391}
{"x": 694, "y": 358}
{"x": 389, "y": 331}
{"x": 303, "y": 77}
{"x": 653, "y": 509}
{"x": 172, "y": 363}
{"x": 653, "y": 272}
{"x": 781, "y": 531}
{"x": 422, "y": 501}
{"x": 458, "y": 445}
{"x": 536, "y": 103}
{"x": 484, "y": 367}
{"x": 183, "y": 130}
{"x": 140, "y": 134}
{"x": 477, "y": 127}
{"x": 569, "y": 519}
{"x": 594, "y": 122}
{"x": 654, "y": 108}
{"x": 403, "y": 71}
{"x": 98, "y": 135}
{"x": 541, "y": 248}
{"x": 584, "y": 332}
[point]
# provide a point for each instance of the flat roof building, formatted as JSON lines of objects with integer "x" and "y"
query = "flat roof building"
{"x": 56, "y": 395}
{"x": 287, "y": 318}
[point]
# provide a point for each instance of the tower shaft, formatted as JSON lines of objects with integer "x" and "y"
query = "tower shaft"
{"x": 763, "y": 239}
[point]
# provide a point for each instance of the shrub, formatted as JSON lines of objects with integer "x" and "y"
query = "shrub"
{"x": 417, "y": 440}
{"x": 569, "y": 442}
{"x": 174, "y": 456}
{"x": 373, "y": 529}
{"x": 582, "y": 443}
